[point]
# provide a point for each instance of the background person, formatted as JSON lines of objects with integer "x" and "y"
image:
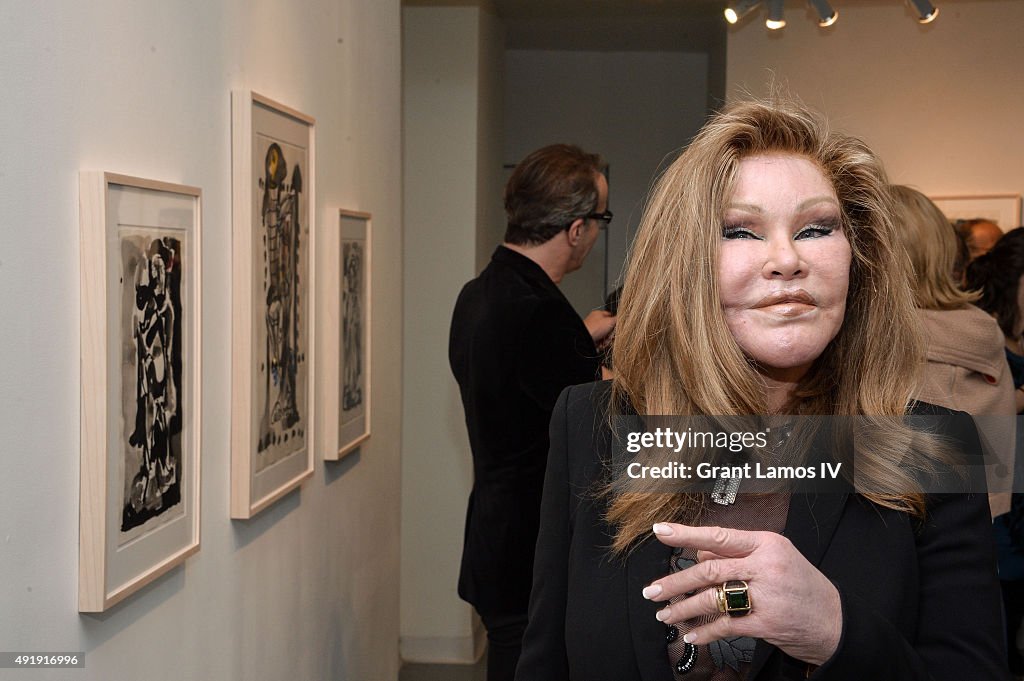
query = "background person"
{"x": 515, "y": 343}
{"x": 766, "y": 278}
{"x": 999, "y": 274}
{"x": 979, "y": 234}
{"x": 965, "y": 367}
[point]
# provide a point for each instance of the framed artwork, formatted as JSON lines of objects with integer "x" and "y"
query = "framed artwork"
{"x": 347, "y": 400}
{"x": 140, "y": 381}
{"x": 1002, "y": 209}
{"x": 273, "y": 199}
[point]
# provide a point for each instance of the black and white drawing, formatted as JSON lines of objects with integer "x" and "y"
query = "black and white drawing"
{"x": 353, "y": 262}
{"x": 151, "y": 371}
{"x": 352, "y": 324}
{"x": 141, "y": 399}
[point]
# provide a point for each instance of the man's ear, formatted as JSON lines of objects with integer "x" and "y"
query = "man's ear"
{"x": 575, "y": 231}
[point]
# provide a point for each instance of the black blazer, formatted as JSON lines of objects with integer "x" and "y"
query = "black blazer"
{"x": 515, "y": 343}
{"x": 919, "y": 600}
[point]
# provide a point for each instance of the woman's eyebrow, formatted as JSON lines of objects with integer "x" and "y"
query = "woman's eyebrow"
{"x": 803, "y": 205}
{"x": 816, "y": 200}
{"x": 749, "y": 207}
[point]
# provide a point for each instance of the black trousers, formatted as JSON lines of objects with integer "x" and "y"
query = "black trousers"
{"x": 504, "y": 643}
{"x": 1013, "y": 604}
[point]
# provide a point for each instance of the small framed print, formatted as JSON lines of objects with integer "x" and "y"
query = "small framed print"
{"x": 1001, "y": 209}
{"x": 140, "y": 380}
{"x": 347, "y": 398}
{"x": 273, "y": 199}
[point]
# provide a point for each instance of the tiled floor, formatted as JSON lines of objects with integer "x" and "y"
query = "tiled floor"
{"x": 444, "y": 672}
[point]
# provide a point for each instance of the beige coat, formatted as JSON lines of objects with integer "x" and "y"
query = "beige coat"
{"x": 967, "y": 370}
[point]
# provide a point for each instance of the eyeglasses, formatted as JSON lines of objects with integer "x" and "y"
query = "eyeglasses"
{"x": 604, "y": 217}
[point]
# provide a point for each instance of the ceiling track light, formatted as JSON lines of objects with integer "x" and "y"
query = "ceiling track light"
{"x": 926, "y": 11}
{"x": 737, "y": 10}
{"x": 775, "y": 19}
{"x": 826, "y": 14}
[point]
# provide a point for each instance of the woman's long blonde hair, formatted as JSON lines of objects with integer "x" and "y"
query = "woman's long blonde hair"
{"x": 674, "y": 354}
{"x": 932, "y": 244}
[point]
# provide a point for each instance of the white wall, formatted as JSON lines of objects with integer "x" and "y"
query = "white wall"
{"x": 940, "y": 103}
{"x": 451, "y": 88}
{"x": 634, "y": 108}
{"x": 307, "y": 589}
{"x": 491, "y": 176}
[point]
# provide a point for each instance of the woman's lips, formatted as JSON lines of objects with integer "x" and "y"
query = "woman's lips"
{"x": 787, "y": 303}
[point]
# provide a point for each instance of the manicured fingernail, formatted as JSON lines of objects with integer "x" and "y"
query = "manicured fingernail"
{"x": 689, "y": 637}
{"x": 662, "y": 529}
{"x": 652, "y": 591}
{"x": 662, "y": 614}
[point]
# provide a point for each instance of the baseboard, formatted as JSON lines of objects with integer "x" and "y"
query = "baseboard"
{"x": 444, "y": 650}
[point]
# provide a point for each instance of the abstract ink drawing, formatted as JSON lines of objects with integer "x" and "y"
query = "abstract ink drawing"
{"x": 151, "y": 375}
{"x": 349, "y": 340}
{"x": 273, "y": 409}
{"x": 281, "y": 221}
{"x": 141, "y": 396}
{"x": 352, "y": 325}
{"x": 281, "y": 427}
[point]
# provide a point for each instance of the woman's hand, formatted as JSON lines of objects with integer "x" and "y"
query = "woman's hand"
{"x": 793, "y": 606}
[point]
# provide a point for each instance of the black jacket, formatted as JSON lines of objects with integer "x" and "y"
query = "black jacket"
{"x": 515, "y": 343}
{"x": 920, "y": 600}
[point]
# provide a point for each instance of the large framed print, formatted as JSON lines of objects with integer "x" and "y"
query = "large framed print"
{"x": 1002, "y": 209}
{"x": 347, "y": 399}
{"x": 140, "y": 382}
{"x": 273, "y": 199}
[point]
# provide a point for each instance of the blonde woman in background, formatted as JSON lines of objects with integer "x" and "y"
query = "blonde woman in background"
{"x": 966, "y": 367}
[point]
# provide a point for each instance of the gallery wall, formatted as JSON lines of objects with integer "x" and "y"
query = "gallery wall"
{"x": 491, "y": 176}
{"x": 941, "y": 103}
{"x": 306, "y": 589}
{"x": 452, "y": 58}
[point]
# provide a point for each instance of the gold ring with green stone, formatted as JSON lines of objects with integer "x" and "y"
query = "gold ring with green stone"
{"x": 734, "y": 598}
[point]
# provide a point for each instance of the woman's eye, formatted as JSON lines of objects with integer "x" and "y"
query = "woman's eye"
{"x": 815, "y": 231}
{"x": 736, "y": 232}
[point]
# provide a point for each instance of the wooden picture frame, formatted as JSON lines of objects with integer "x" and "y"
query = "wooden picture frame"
{"x": 273, "y": 166}
{"x": 346, "y": 400}
{"x": 1002, "y": 209}
{"x": 141, "y": 299}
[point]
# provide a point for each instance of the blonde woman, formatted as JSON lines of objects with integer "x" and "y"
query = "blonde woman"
{"x": 766, "y": 279}
{"x": 965, "y": 366}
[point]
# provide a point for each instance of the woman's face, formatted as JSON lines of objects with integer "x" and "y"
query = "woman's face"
{"x": 784, "y": 266}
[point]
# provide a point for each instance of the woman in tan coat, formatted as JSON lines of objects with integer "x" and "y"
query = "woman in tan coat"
{"x": 966, "y": 367}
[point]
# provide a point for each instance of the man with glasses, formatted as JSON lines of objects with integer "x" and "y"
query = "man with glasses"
{"x": 515, "y": 343}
